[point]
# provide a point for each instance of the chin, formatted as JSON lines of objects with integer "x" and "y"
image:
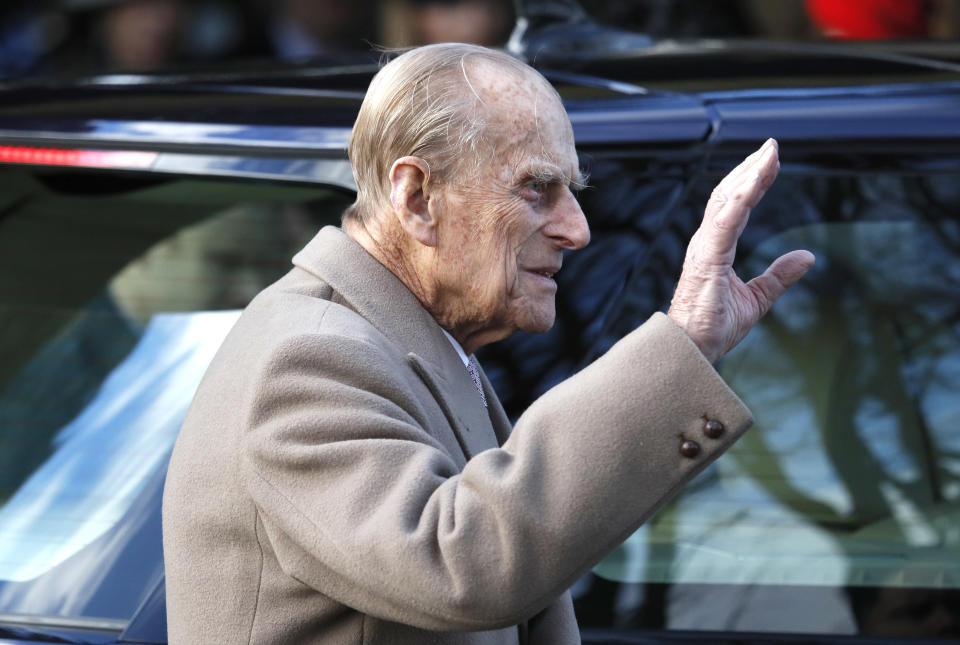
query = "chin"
{"x": 539, "y": 324}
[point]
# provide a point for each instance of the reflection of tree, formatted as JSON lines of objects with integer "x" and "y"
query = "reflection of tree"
{"x": 861, "y": 372}
{"x": 853, "y": 346}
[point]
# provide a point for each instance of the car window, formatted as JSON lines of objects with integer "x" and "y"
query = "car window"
{"x": 115, "y": 292}
{"x": 838, "y": 512}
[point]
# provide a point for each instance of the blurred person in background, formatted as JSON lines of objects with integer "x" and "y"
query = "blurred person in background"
{"x": 303, "y": 29}
{"x": 29, "y": 32}
{"x": 142, "y": 35}
{"x": 97, "y": 36}
{"x": 115, "y": 35}
{"x": 780, "y": 20}
{"x": 408, "y": 23}
{"x": 673, "y": 18}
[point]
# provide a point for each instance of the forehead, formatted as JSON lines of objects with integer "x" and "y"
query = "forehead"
{"x": 524, "y": 117}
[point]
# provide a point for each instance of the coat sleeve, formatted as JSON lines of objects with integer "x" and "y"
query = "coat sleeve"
{"x": 362, "y": 504}
{"x": 555, "y": 624}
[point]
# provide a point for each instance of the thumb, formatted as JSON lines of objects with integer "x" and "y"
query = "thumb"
{"x": 779, "y": 276}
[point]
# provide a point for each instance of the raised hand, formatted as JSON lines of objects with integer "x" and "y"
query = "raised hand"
{"x": 711, "y": 303}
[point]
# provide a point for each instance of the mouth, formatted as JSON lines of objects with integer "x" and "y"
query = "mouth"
{"x": 544, "y": 272}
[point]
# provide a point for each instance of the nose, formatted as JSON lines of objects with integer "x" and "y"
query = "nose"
{"x": 568, "y": 227}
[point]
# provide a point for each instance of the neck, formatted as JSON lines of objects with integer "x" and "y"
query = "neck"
{"x": 472, "y": 336}
{"x": 389, "y": 248}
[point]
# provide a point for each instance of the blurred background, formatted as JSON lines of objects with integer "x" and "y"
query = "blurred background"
{"x": 67, "y": 37}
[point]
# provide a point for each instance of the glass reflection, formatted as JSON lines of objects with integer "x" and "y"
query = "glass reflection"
{"x": 103, "y": 458}
{"x": 101, "y": 364}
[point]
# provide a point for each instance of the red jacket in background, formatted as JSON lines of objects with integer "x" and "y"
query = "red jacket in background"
{"x": 870, "y": 19}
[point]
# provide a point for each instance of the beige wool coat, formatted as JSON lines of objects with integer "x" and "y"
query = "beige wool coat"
{"x": 337, "y": 479}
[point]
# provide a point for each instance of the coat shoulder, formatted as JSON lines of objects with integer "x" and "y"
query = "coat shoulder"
{"x": 301, "y": 305}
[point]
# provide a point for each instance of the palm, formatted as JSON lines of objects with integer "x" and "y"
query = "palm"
{"x": 711, "y": 303}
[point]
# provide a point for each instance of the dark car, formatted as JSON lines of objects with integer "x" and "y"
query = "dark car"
{"x": 138, "y": 215}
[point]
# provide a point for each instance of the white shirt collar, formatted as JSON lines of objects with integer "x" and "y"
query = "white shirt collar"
{"x": 456, "y": 346}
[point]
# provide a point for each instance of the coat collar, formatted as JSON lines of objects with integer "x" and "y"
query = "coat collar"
{"x": 376, "y": 294}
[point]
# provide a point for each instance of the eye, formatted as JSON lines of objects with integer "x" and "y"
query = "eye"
{"x": 534, "y": 190}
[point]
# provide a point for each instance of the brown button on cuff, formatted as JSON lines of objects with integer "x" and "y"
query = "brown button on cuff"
{"x": 689, "y": 449}
{"x": 713, "y": 429}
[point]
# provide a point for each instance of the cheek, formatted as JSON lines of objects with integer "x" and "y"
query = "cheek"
{"x": 499, "y": 231}
{"x": 511, "y": 234}
{"x": 490, "y": 232}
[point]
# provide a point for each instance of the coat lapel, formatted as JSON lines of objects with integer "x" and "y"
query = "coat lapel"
{"x": 375, "y": 293}
{"x": 462, "y": 406}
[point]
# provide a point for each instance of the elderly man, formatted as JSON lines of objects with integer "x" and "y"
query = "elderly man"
{"x": 346, "y": 474}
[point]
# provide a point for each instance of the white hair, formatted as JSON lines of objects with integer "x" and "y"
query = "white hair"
{"x": 422, "y": 104}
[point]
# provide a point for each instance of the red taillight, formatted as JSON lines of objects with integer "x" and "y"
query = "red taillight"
{"x": 83, "y": 158}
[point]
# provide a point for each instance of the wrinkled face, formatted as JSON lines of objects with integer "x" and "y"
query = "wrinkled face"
{"x": 503, "y": 228}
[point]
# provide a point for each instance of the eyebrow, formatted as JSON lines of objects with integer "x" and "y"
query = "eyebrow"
{"x": 550, "y": 173}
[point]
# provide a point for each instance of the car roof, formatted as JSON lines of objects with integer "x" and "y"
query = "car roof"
{"x": 691, "y": 94}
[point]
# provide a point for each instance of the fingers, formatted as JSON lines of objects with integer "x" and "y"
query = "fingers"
{"x": 747, "y": 169}
{"x": 750, "y": 164}
{"x": 779, "y": 276}
{"x": 729, "y": 207}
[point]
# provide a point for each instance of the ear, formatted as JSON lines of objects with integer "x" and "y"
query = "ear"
{"x": 410, "y": 197}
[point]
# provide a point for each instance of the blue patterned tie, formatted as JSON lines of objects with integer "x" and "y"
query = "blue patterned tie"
{"x": 475, "y": 374}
